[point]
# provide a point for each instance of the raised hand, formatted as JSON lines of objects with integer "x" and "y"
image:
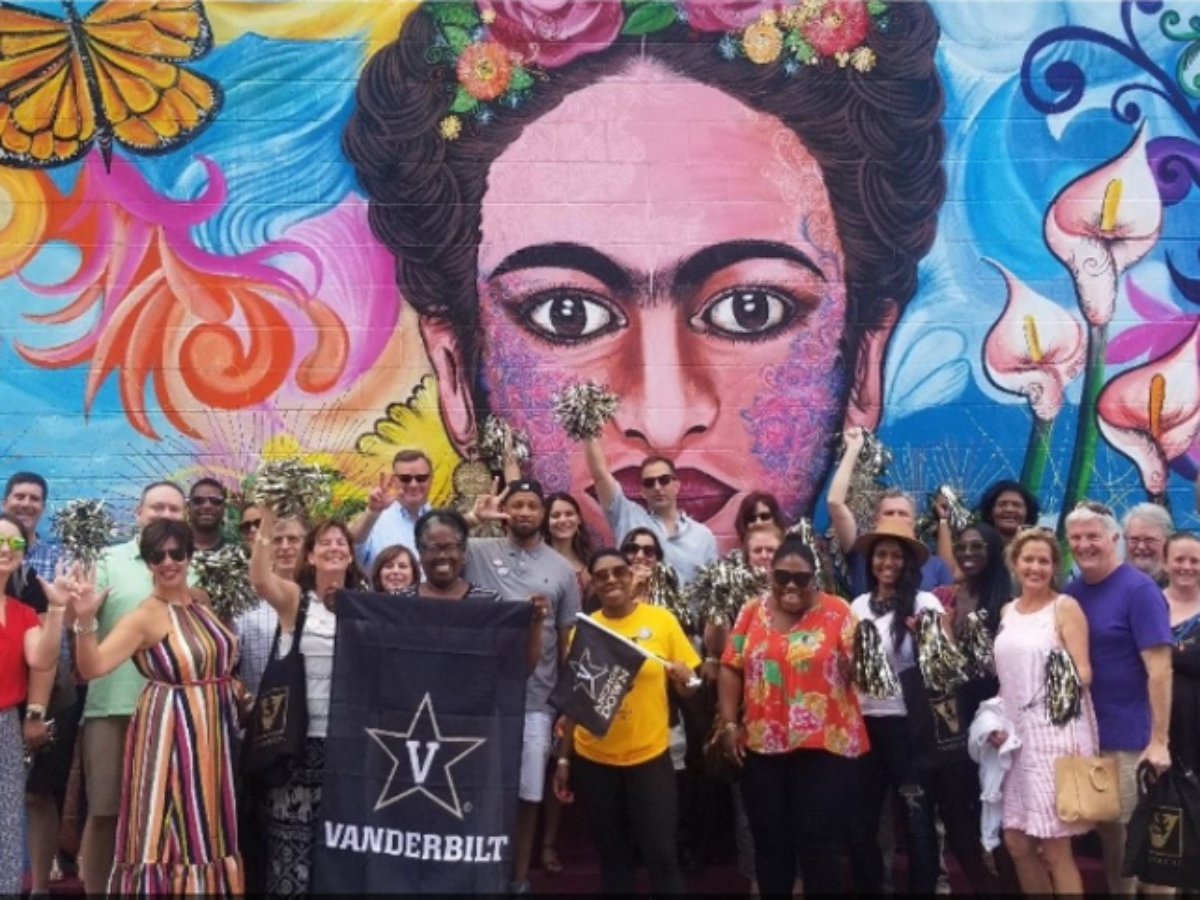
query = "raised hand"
{"x": 490, "y": 507}
{"x": 382, "y": 495}
{"x": 59, "y": 591}
{"x": 854, "y": 439}
{"x": 86, "y": 599}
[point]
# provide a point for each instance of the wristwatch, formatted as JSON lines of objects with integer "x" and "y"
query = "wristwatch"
{"x": 35, "y": 712}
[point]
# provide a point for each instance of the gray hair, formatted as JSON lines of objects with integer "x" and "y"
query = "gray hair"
{"x": 1152, "y": 514}
{"x": 894, "y": 493}
{"x": 1090, "y": 511}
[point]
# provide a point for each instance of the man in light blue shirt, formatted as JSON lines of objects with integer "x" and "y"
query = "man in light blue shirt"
{"x": 393, "y": 507}
{"x": 687, "y": 544}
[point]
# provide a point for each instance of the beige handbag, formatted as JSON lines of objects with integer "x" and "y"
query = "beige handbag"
{"x": 1086, "y": 788}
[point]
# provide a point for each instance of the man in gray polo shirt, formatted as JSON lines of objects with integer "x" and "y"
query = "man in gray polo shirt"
{"x": 687, "y": 544}
{"x": 519, "y": 567}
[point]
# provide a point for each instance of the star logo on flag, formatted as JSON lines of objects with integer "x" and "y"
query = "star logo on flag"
{"x": 422, "y": 760}
{"x": 588, "y": 673}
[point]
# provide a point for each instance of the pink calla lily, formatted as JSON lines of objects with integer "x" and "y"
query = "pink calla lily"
{"x": 1151, "y": 413}
{"x": 1035, "y": 349}
{"x": 1102, "y": 223}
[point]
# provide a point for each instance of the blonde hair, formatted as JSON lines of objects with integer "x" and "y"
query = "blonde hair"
{"x": 1028, "y": 536}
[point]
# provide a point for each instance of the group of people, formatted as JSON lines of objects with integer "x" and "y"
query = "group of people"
{"x": 129, "y": 654}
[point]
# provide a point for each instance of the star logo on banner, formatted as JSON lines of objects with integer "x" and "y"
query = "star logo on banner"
{"x": 422, "y": 760}
{"x": 588, "y": 673}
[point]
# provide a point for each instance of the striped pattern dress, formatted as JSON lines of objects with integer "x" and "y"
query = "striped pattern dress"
{"x": 177, "y": 833}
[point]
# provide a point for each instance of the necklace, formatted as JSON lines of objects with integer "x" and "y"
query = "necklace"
{"x": 881, "y": 606}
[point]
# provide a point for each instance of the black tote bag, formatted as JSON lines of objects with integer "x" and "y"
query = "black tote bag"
{"x": 1162, "y": 843}
{"x": 279, "y": 721}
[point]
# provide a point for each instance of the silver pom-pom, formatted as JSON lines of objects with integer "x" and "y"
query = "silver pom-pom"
{"x": 943, "y": 666}
{"x": 873, "y": 673}
{"x": 959, "y": 515}
{"x": 494, "y": 434}
{"x": 224, "y": 574}
{"x": 583, "y": 409}
{"x": 84, "y": 528}
{"x": 665, "y": 589}
{"x": 291, "y": 488}
{"x": 1064, "y": 688}
{"x": 976, "y": 643}
{"x": 866, "y": 479}
{"x": 722, "y": 587}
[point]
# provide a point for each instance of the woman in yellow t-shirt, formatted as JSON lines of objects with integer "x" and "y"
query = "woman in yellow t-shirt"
{"x": 625, "y": 779}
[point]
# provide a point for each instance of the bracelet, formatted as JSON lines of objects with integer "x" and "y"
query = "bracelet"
{"x": 86, "y": 629}
{"x": 564, "y": 761}
{"x": 52, "y": 608}
{"x": 716, "y": 660}
{"x": 35, "y": 712}
{"x": 730, "y": 726}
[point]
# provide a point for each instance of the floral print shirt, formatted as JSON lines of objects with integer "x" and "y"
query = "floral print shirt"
{"x": 795, "y": 685}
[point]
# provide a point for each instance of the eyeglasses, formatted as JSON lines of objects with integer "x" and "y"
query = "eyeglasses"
{"x": 16, "y": 542}
{"x": 248, "y": 525}
{"x": 1143, "y": 541}
{"x": 661, "y": 481}
{"x": 202, "y": 500}
{"x": 783, "y": 578}
{"x": 755, "y": 518}
{"x": 969, "y": 546}
{"x": 409, "y": 479}
{"x": 612, "y": 573}
{"x": 633, "y": 549}
{"x": 156, "y": 557}
{"x": 446, "y": 547}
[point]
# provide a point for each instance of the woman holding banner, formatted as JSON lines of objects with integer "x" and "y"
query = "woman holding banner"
{"x": 791, "y": 720}
{"x": 625, "y": 778}
{"x": 306, "y": 614}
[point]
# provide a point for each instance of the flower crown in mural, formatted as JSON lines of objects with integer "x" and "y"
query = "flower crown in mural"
{"x": 500, "y": 48}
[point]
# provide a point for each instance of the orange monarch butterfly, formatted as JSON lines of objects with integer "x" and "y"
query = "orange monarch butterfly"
{"x": 110, "y": 75}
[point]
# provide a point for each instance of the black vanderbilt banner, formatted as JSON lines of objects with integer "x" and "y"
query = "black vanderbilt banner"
{"x": 424, "y": 748}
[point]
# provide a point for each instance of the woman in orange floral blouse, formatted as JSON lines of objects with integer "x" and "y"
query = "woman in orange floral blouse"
{"x": 786, "y": 668}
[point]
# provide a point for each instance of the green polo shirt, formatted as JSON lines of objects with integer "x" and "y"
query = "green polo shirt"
{"x": 122, "y": 571}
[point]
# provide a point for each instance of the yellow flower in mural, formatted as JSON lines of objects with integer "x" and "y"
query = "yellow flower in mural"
{"x": 23, "y": 216}
{"x": 763, "y": 43}
{"x": 417, "y": 424}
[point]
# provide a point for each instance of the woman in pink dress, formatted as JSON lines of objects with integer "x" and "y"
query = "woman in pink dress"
{"x": 1037, "y": 622}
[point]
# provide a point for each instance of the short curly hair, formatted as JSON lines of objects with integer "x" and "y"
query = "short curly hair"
{"x": 877, "y": 136}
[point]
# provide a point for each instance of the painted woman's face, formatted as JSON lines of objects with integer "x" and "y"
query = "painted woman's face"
{"x": 689, "y": 262}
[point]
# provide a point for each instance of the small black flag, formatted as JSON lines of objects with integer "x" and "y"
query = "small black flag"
{"x": 601, "y": 668}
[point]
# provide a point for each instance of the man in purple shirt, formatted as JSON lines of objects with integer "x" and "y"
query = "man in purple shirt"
{"x": 1129, "y": 642}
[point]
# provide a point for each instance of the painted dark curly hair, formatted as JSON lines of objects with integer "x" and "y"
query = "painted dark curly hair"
{"x": 877, "y": 136}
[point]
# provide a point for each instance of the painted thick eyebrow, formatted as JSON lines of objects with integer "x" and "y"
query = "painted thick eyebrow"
{"x": 707, "y": 262}
{"x": 568, "y": 256}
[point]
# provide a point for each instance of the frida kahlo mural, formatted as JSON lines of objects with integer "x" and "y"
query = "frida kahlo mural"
{"x": 337, "y": 229}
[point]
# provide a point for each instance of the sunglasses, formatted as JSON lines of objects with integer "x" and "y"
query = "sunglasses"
{"x": 969, "y": 546}
{"x": 754, "y": 518}
{"x": 156, "y": 557}
{"x": 409, "y": 479}
{"x": 207, "y": 501}
{"x": 661, "y": 481}
{"x": 612, "y": 573}
{"x": 248, "y": 525}
{"x": 647, "y": 550}
{"x": 783, "y": 578}
{"x": 16, "y": 542}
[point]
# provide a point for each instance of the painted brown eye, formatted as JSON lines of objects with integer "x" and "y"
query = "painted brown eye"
{"x": 571, "y": 317}
{"x": 748, "y": 312}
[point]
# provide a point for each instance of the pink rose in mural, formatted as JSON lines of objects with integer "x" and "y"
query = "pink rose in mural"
{"x": 725, "y": 16}
{"x": 839, "y": 27}
{"x": 554, "y": 32}
{"x": 1035, "y": 349}
{"x": 1102, "y": 223}
{"x": 1151, "y": 413}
